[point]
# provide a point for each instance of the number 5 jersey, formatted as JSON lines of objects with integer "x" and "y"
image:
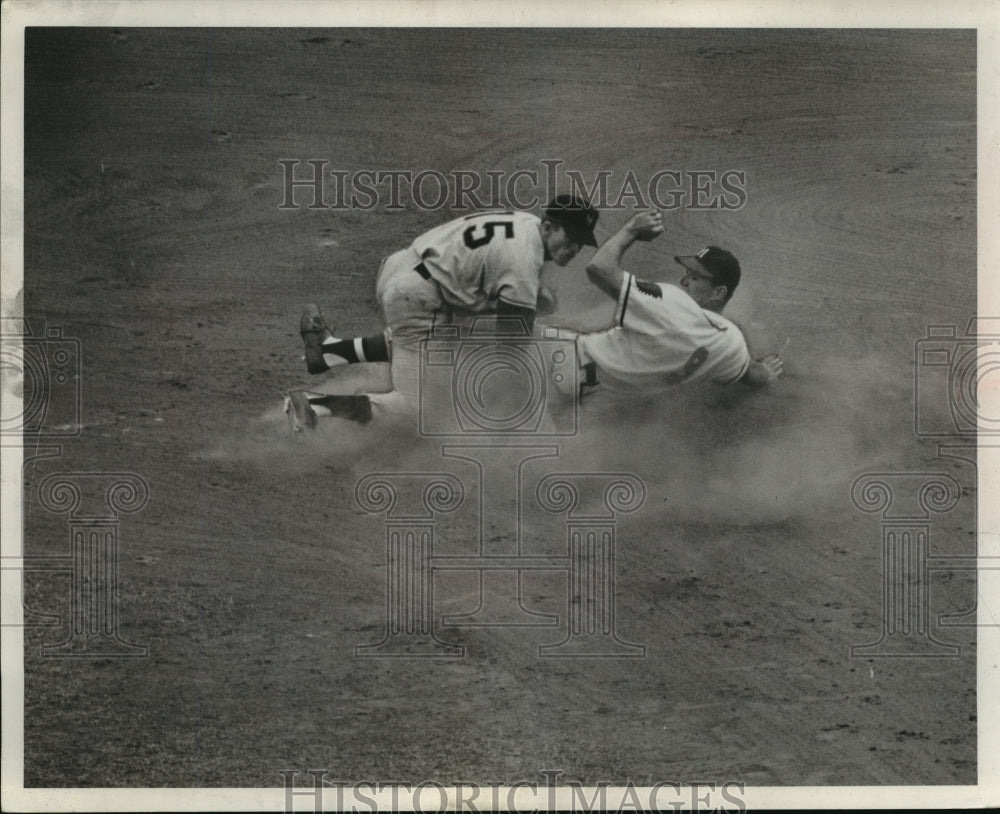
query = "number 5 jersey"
{"x": 479, "y": 259}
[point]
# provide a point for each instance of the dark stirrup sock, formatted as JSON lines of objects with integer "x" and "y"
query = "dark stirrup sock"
{"x": 360, "y": 349}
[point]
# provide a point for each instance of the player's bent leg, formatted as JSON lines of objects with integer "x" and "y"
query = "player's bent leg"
{"x": 406, "y": 370}
{"x": 394, "y": 407}
{"x": 304, "y": 408}
{"x": 323, "y": 350}
{"x": 355, "y": 351}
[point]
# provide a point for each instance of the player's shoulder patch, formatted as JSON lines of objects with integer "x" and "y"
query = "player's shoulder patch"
{"x": 649, "y": 289}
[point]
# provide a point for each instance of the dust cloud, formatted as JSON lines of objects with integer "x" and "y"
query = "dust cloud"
{"x": 266, "y": 442}
{"x": 706, "y": 453}
{"x": 747, "y": 456}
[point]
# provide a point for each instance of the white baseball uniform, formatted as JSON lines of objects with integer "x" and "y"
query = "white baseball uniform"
{"x": 660, "y": 338}
{"x": 484, "y": 257}
{"x": 466, "y": 265}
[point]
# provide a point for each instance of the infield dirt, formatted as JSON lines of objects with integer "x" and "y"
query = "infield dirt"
{"x": 154, "y": 235}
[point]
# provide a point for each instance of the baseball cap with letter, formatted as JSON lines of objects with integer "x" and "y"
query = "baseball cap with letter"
{"x": 577, "y": 217}
{"x": 719, "y": 264}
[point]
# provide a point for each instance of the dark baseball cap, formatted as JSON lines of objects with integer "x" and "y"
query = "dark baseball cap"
{"x": 576, "y": 216}
{"x": 720, "y": 265}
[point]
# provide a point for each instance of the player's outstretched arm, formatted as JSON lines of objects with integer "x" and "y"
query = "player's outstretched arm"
{"x": 764, "y": 371}
{"x": 604, "y": 269}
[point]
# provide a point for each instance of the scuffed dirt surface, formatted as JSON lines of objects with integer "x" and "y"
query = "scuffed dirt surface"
{"x": 153, "y": 234}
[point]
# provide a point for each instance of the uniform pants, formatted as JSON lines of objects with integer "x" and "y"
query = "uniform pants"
{"x": 412, "y": 307}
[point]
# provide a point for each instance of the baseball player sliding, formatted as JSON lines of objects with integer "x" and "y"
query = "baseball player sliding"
{"x": 489, "y": 262}
{"x": 663, "y": 335}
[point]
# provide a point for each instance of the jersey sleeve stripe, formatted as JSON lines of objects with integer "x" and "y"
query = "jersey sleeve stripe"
{"x": 624, "y": 303}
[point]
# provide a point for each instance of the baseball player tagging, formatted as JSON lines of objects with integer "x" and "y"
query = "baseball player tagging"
{"x": 489, "y": 262}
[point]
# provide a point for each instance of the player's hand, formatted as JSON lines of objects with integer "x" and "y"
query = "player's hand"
{"x": 764, "y": 371}
{"x": 646, "y": 225}
{"x": 547, "y": 301}
{"x": 773, "y": 365}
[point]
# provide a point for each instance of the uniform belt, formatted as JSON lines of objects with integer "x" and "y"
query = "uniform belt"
{"x": 421, "y": 269}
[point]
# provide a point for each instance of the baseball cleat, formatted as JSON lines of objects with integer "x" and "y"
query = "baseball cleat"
{"x": 314, "y": 332}
{"x": 301, "y": 415}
